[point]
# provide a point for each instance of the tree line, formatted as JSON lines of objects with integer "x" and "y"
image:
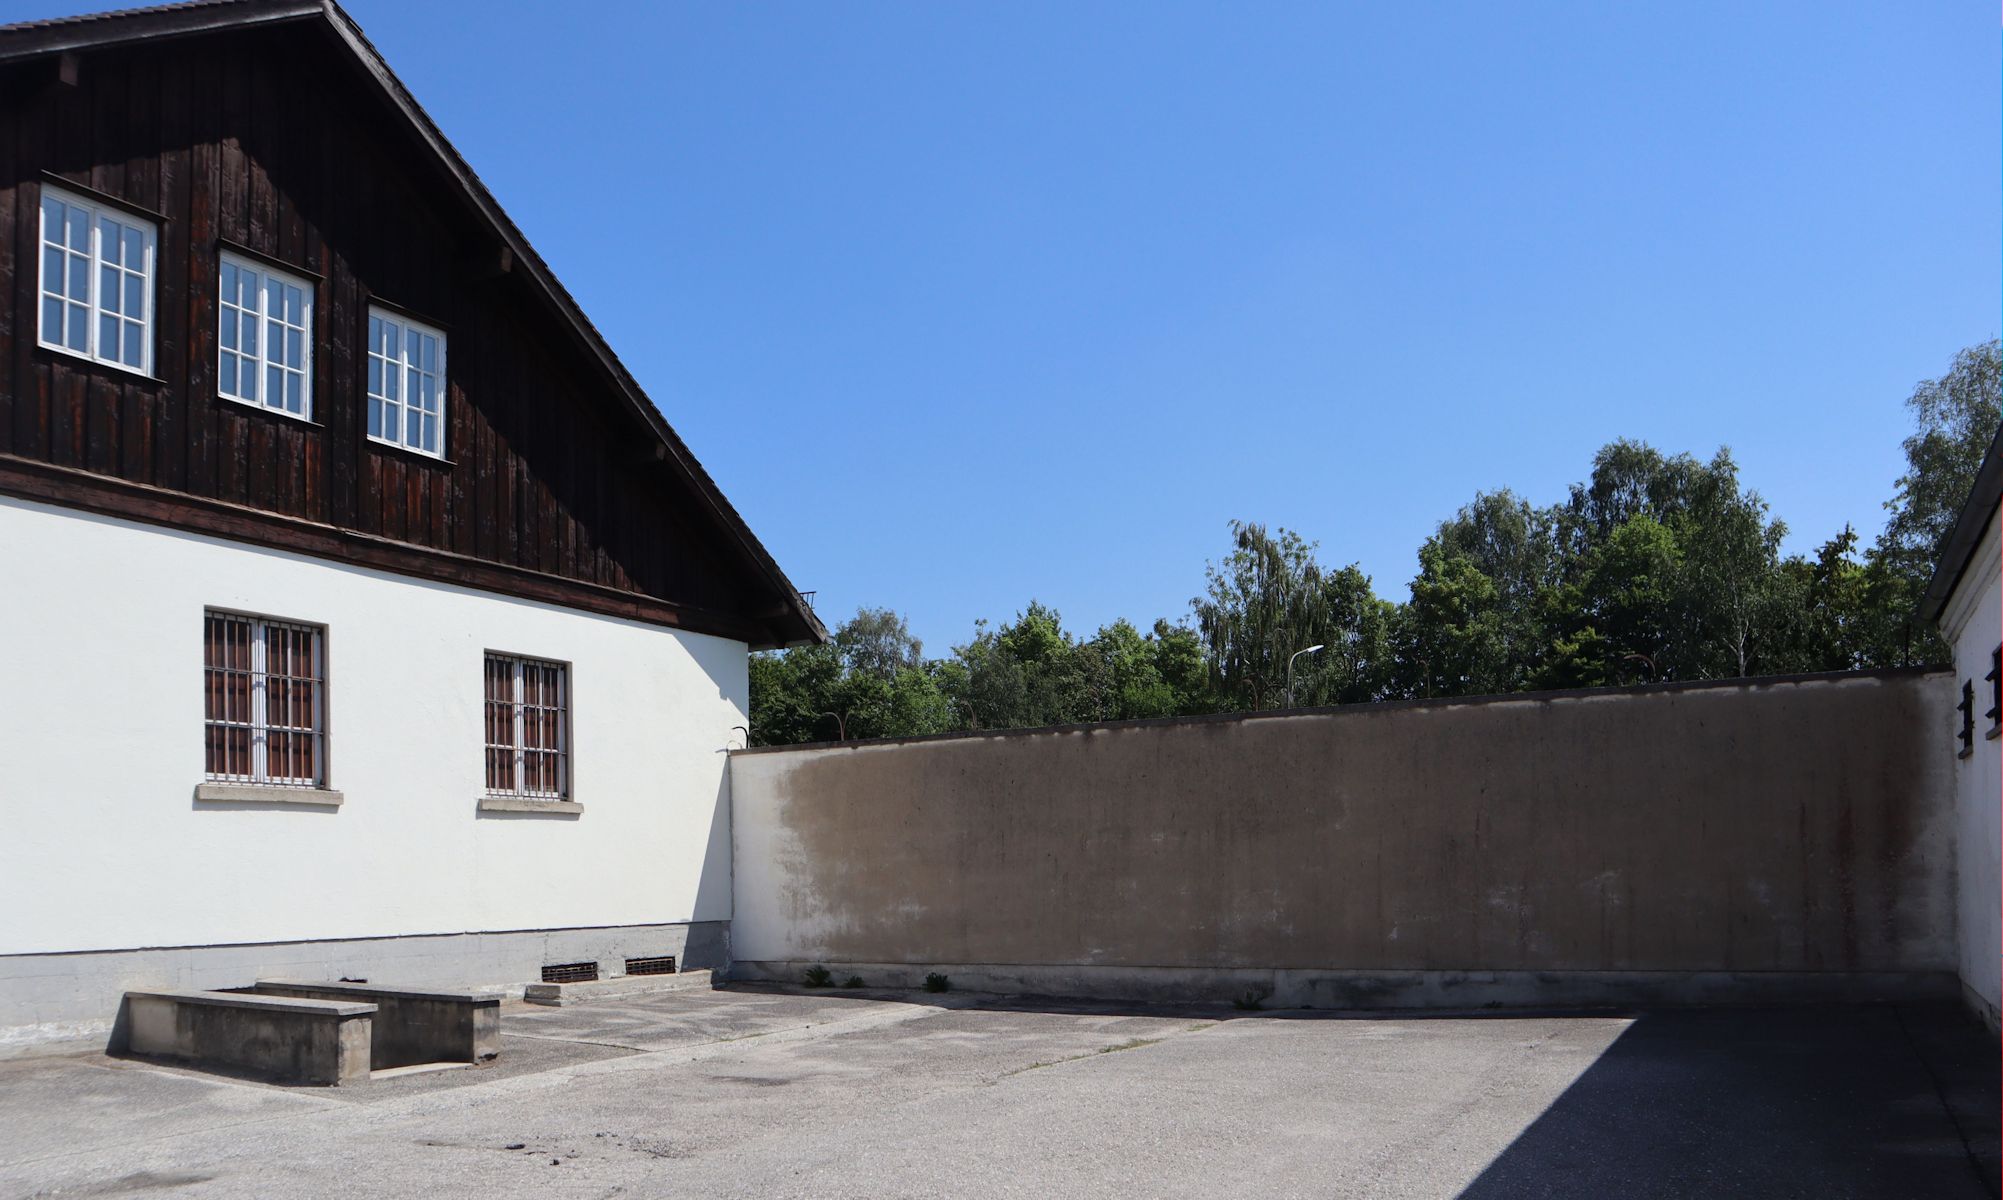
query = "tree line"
{"x": 1656, "y": 567}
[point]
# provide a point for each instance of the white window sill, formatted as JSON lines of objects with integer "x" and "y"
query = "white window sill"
{"x": 145, "y": 372}
{"x": 261, "y": 793}
{"x": 437, "y": 456}
{"x": 304, "y": 418}
{"x": 524, "y": 804}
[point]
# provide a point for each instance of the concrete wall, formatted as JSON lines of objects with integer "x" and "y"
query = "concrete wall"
{"x": 1740, "y": 834}
{"x": 283, "y": 1039}
{"x": 412, "y": 1026}
{"x": 1973, "y": 626}
{"x": 107, "y": 850}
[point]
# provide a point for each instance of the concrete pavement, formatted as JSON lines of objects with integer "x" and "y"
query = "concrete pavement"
{"x": 766, "y": 1093}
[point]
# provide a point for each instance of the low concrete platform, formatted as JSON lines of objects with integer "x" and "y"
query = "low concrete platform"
{"x": 292, "y": 1040}
{"x": 556, "y": 995}
{"x": 744, "y": 1092}
{"x": 413, "y": 1026}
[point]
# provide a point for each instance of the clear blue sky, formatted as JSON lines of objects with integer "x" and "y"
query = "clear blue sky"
{"x": 968, "y": 304}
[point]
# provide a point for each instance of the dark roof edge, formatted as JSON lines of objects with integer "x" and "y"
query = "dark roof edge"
{"x": 37, "y": 39}
{"x": 1371, "y": 706}
{"x": 34, "y": 39}
{"x": 1966, "y": 538}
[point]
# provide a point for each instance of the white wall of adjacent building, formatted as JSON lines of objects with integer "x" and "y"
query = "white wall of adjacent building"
{"x": 1973, "y": 625}
{"x": 101, "y": 734}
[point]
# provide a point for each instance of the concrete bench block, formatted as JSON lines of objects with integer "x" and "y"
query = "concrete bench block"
{"x": 412, "y": 1025}
{"x": 557, "y": 995}
{"x": 290, "y": 1040}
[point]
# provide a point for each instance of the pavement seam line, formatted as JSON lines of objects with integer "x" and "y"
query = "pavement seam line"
{"x": 544, "y": 1037}
{"x": 1130, "y": 1044}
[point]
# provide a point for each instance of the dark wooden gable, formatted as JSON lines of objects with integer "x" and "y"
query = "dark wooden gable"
{"x": 276, "y": 140}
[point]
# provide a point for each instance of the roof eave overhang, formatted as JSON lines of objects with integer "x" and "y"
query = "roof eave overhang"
{"x": 38, "y": 40}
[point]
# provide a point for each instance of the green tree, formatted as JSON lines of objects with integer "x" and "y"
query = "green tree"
{"x": 1179, "y": 660}
{"x": 1957, "y": 418}
{"x": 1662, "y": 567}
{"x": 878, "y": 642}
{"x": 1474, "y": 623}
{"x": 1359, "y": 660}
{"x": 792, "y": 693}
{"x": 1732, "y": 604}
{"x": 1028, "y": 672}
{"x": 1629, "y": 596}
{"x": 1629, "y": 479}
{"x": 869, "y": 682}
{"x": 1132, "y": 682}
{"x": 1270, "y": 599}
{"x": 1449, "y": 634}
{"x": 1840, "y": 619}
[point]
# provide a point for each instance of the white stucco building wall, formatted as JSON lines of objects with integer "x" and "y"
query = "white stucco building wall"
{"x": 1972, "y": 622}
{"x": 101, "y": 727}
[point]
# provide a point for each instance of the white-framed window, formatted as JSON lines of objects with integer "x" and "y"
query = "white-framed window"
{"x": 406, "y": 383}
{"x": 528, "y": 727}
{"x": 97, "y": 281}
{"x": 265, "y": 703}
{"x": 264, "y": 337}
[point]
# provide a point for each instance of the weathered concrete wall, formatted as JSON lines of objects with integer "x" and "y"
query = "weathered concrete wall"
{"x": 290, "y": 1040}
{"x": 412, "y": 1026}
{"x": 1801, "y": 827}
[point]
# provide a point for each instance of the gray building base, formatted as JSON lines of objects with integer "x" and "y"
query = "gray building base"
{"x": 1368, "y": 990}
{"x": 57, "y": 1002}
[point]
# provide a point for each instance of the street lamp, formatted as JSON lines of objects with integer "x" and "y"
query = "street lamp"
{"x": 1290, "y": 670}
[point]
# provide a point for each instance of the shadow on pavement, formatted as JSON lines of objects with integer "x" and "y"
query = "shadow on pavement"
{"x": 1859, "y": 1101}
{"x": 1852, "y": 1101}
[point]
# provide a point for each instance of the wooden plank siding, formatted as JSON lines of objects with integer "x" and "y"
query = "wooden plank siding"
{"x": 268, "y": 140}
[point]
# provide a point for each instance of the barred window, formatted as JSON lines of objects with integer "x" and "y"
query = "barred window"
{"x": 266, "y": 702}
{"x": 528, "y": 728}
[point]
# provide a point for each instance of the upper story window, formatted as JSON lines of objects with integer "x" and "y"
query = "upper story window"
{"x": 406, "y": 383}
{"x": 97, "y": 281}
{"x": 265, "y": 337}
{"x": 265, "y": 709}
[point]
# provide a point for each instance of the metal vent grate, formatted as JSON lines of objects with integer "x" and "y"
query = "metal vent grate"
{"x": 664, "y": 965}
{"x": 584, "y": 972}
